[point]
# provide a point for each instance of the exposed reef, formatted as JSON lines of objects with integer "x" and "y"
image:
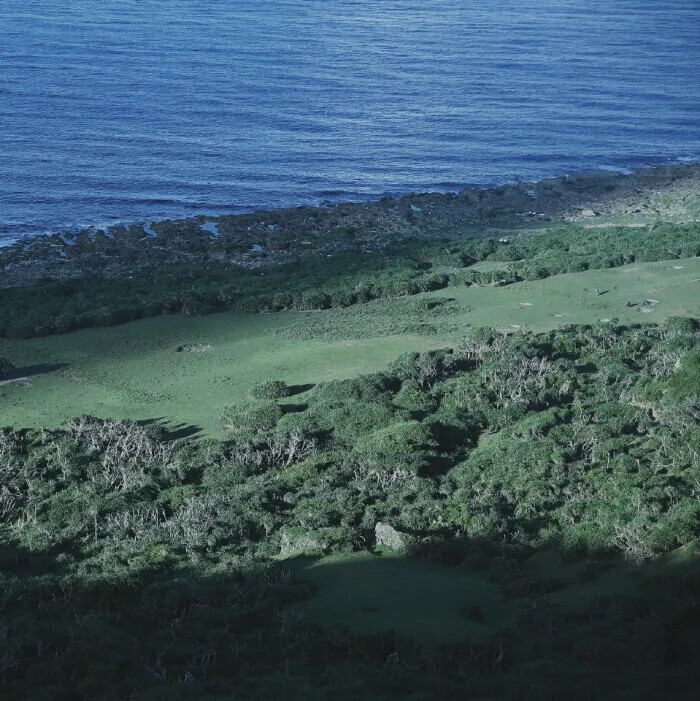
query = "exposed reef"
{"x": 269, "y": 237}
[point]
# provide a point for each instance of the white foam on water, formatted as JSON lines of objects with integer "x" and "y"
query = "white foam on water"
{"x": 616, "y": 169}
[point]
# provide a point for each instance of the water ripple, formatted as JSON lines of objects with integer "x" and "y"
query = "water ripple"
{"x": 138, "y": 110}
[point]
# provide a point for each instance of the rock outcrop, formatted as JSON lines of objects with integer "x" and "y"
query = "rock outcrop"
{"x": 387, "y": 536}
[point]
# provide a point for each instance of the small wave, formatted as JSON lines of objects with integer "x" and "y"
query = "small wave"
{"x": 616, "y": 169}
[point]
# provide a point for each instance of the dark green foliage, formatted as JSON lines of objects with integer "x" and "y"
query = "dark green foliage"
{"x": 413, "y": 398}
{"x": 342, "y": 280}
{"x": 685, "y": 381}
{"x": 135, "y": 566}
{"x": 681, "y": 325}
{"x": 408, "y": 437}
{"x": 376, "y": 388}
{"x": 270, "y": 389}
{"x": 349, "y": 420}
{"x": 249, "y": 417}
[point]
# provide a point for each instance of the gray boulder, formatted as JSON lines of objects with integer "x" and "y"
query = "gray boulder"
{"x": 389, "y": 537}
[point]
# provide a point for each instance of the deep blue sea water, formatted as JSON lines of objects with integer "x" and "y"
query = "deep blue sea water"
{"x": 137, "y": 110}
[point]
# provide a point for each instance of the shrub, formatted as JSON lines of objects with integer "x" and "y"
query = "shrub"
{"x": 685, "y": 382}
{"x": 377, "y": 388}
{"x": 404, "y": 437}
{"x": 352, "y": 418}
{"x": 412, "y": 398}
{"x": 269, "y": 389}
{"x": 250, "y": 417}
{"x": 423, "y": 368}
{"x": 681, "y": 324}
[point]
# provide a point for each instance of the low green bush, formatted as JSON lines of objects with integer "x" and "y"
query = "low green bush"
{"x": 270, "y": 389}
{"x": 251, "y": 417}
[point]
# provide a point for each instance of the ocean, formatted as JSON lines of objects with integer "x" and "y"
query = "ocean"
{"x": 140, "y": 110}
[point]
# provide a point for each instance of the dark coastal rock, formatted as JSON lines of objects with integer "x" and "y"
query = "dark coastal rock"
{"x": 670, "y": 192}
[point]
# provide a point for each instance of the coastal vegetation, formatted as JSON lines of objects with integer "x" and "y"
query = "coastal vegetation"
{"x": 338, "y": 281}
{"x": 275, "y": 425}
{"x": 538, "y": 490}
{"x": 440, "y": 466}
{"x": 184, "y": 370}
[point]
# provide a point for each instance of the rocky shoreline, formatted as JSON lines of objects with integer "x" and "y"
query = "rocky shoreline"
{"x": 601, "y": 198}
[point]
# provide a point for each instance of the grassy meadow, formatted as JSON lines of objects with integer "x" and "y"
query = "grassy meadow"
{"x": 135, "y": 370}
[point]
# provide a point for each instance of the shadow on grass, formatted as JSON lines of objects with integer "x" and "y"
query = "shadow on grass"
{"x": 172, "y": 431}
{"x": 300, "y": 389}
{"x": 33, "y": 370}
{"x": 182, "y": 430}
{"x": 605, "y": 611}
{"x": 293, "y": 408}
{"x": 147, "y": 625}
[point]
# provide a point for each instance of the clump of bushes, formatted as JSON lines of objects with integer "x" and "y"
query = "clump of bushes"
{"x": 155, "y": 551}
{"x": 413, "y": 398}
{"x": 681, "y": 325}
{"x": 270, "y": 390}
{"x": 403, "y": 437}
{"x": 251, "y": 417}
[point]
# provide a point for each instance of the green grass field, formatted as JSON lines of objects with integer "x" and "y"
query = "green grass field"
{"x": 372, "y": 593}
{"x": 134, "y": 370}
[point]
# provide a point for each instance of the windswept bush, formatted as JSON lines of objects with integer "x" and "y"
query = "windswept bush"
{"x": 249, "y": 417}
{"x": 377, "y": 388}
{"x": 269, "y": 390}
{"x": 405, "y": 437}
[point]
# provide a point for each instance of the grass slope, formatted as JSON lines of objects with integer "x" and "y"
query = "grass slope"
{"x": 134, "y": 371}
{"x": 372, "y": 593}
{"x": 380, "y": 590}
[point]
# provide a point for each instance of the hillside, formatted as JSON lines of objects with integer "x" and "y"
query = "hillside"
{"x": 538, "y": 492}
{"x": 446, "y": 463}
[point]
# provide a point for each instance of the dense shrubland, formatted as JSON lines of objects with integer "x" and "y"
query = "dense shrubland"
{"x": 348, "y": 278}
{"x": 138, "y": 566}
